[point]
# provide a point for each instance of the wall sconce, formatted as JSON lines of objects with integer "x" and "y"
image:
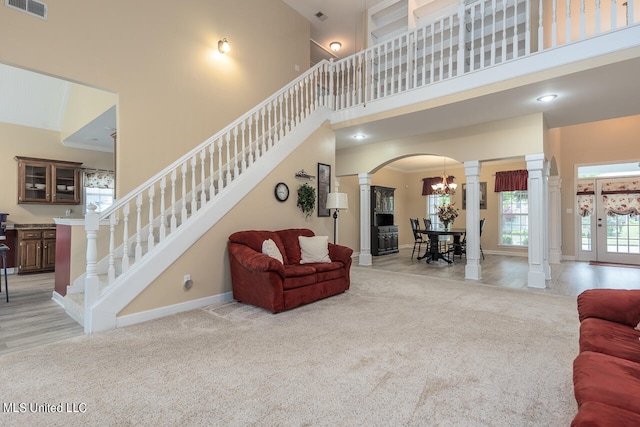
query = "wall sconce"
{"x": 335, "y": 46}
{"x": 223, "y": 46}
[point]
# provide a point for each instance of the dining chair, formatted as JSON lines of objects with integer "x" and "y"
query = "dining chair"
{"x": 482, "y": 221}
{"x": 418, "y": 239}
{"x": 3, "y": 250}
{"x": 427, "y": 223}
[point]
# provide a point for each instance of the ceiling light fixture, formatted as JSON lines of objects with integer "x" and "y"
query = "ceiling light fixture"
{"x": 335, "y": 46}
{"x": 223, "y": 46}
{"x": 359, "y": 136}
{"x": 547, "y": 98}
{"x": 444, "y": 188}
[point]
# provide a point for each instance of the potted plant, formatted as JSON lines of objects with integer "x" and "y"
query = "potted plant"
{"x": 306, "y": 199}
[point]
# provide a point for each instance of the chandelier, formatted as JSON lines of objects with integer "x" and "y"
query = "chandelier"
{"x": 443, "y": 188}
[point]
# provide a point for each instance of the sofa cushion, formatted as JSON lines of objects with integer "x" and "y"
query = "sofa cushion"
{"x": 270, "y": 248}
{"x": 314, "y": 249}
{"x": 596, "y": 414}
{"x": 255, "y": 238}
{"x": 614, "y": 339}
{"x": 297, "y": 275}
{"x": 329, "y": 270}
{"x": 289, "y": 239}
{"x": 598, "y": 377}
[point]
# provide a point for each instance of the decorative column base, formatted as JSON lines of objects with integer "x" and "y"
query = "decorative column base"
{"x": 365, "y": 259}
{"x": 536, "y": 279}
{"x": 473, "y": 271}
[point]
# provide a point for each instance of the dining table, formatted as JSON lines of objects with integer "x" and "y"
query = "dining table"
{"x": 434, "y": 251}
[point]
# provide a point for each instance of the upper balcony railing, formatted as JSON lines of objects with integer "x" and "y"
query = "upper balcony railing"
{"x": 481, "y": 34}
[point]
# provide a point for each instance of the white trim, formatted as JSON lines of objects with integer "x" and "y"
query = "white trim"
{"x": 156, "y": 313}
{"x": 58, "y": 299}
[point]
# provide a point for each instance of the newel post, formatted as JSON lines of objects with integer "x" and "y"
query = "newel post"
{"x": 91, "y": 285}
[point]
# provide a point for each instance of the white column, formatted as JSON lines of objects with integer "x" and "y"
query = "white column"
{"x": 555, "y": 220}
{"x": 537, "y": 221}
{"x": 365, "y": 219}
{"x": 473, "y": 270}
{"x": 545, "y": 192}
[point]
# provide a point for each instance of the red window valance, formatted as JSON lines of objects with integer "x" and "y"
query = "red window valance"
{"x": 511, "y": 181}
{"x": 427, "y": 190}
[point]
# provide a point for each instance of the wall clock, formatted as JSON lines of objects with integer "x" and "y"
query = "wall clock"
{"x": 282, "y": 191}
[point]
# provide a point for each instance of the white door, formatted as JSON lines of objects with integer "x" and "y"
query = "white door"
{"x": 617, "y": 236}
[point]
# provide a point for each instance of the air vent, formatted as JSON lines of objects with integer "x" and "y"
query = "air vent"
{"x": 31, "y": 7}
{"x": 321, "y": 16}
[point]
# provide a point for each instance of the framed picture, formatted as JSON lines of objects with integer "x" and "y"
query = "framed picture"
{"x": 483, "y": 195}
{"x": 324, "y": 188}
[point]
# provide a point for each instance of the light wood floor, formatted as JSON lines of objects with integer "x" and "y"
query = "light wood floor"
{"x": 32, "y": 318}
{"x": 569, "y": 278}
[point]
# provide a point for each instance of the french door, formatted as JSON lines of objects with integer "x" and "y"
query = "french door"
{"x": 617, "y": 236}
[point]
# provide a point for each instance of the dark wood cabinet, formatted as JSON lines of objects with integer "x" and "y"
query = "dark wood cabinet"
{"x": 42, "y": 181}
{"x": 36, "y": 250}
{"x": 384, "y": 232}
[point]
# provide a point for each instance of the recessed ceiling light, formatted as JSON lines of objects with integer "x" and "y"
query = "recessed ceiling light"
{"x": 359, "y": 136}
{"x": 547, "y": 98}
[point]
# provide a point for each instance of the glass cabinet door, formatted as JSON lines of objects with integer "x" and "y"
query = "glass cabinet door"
{"x": 34, "y": 183}
{"x": 65, "y": 185}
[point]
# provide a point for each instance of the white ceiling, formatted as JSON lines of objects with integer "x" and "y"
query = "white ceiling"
{"x": 39, "y": 101}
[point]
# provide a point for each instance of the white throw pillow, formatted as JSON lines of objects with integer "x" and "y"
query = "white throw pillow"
{"x": 314, "y": 249}
{"x": 270, "y": 248}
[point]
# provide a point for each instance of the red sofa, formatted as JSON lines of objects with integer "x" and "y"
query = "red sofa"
{"x": 606, "y": 373}
{"x": 263, "y": 281}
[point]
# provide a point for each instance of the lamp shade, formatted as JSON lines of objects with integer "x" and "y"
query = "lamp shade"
{"x": 337, "y": 201}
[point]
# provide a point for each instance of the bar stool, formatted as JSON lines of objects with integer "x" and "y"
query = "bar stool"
{"x": 3, "y": 250}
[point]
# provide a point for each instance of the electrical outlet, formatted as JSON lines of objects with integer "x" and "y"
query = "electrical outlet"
{"x": 188, "y": 283}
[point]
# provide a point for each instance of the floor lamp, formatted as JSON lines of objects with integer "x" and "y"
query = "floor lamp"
{"x": 336, "y": 201}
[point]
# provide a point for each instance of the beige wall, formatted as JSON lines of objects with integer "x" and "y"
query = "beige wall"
{"x": 83, "y": 105}
{"x": 30, "y": 142}
{"x": 174, "y": 88}
{"x": 207, "y": 260}
{"x": 608, "y": 141}
{"x": 501, "y": 139}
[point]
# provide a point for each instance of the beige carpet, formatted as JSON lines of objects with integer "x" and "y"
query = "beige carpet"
{"x": 394, "y": 350}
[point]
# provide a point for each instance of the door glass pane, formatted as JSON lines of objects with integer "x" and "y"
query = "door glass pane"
{"x": 585, "y": 235}
{"x": 622, "y": 234}
{"x": 65, "y": 184}
{"x": 36, "y": 182}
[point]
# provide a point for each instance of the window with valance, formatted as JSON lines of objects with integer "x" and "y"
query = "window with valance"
{"x": 621, "y": 198}
{"x": 515, "y": 180}
{"x": 618, "y": 197}
{"x": 427, "y": 183}
{"x": 94, "y": 178}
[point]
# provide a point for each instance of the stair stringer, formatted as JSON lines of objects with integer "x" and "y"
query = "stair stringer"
{"x": 102, "y": 315}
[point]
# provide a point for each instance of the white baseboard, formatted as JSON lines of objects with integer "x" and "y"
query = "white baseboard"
{"x": 143, "y": 316}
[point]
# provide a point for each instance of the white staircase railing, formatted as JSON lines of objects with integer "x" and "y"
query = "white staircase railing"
{"x": 481, "y": 34}
{"x": 144, "y": 218}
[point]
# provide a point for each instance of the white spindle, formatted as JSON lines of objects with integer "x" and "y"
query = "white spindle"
{"x": 270, "y": 124}
{"x": 194, "y": 198}
{"x": 472, "y": 55}
{"x": 451, "y": 40}
{"x": 424, "y": 56}
{"x": 482, "y": 34}
{"x": 243, "y": 131}
{"x": 163, "y": 225}
{"x": 540, "y": 27}
{"x": 432, "y": 62}
{"x": 183, "y": 212}
{"x": 493, "y": 32}
{"x": 442, "y": 43}
{"x": 462, "y": 26}
{"x": 260, "y": 134}
{"x": 614, "y": 15}
{"x": 203, "y": 178}
{"x": 212, "y": 188}
{"x": 583, "y": 21}
{"x": 630, "y": 14}
{"x": 308, "y": 104}
{"x": 515, "y": 30}
{"x": 174, "y": 220}
{"x": 236, "y": 169}
{"x": 125, "y": 237}
{"x": 598, "y": 16}
{"x": 138, "y": 252}
{"x": 151, "y": 238}
{"x": 554, "y": 24}
{"x": 296, "y": 104}
{"x": 227, "y": 148}
{"x": 280, "y": 118}
{"x": 504, "y": 29}
{"x": 527, "y": 35}
{"x": 252, "y": 156}
{"x": 111, "y": 270}
{"x": 567, "y": 36}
